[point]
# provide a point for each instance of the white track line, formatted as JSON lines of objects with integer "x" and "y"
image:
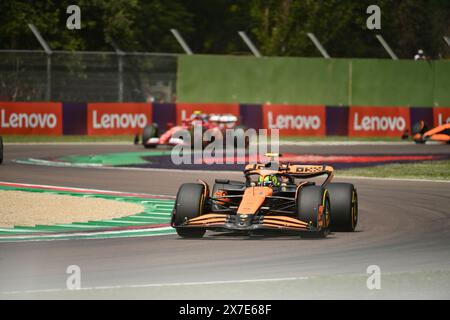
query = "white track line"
{"x": 122, "y": 221}
{"x": 173, "y": 284}
{"x": 151, "y": 214}
{"x": 77, "y": 226}
{"x": 90, "y": 234}
{"x": 15, "y": 230}
{"x": 134, "y": 235}
{"x": 75, "y": 189}
{"x": 150, "y": 217}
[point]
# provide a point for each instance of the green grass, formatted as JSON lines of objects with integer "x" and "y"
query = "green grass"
{"x": 436, "y": 170}
{"x": 71, "y": 138}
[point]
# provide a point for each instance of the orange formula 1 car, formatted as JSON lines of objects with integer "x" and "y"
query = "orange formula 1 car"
{"x": 421, "y": 134}
{"x": 278, "y": 200}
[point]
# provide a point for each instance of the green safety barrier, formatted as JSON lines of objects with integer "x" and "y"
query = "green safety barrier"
{"x": 314, "y": 81}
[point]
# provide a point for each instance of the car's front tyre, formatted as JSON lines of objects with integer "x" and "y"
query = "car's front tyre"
{"x": 150, "y": 131}
{"x": 189, "y": 204}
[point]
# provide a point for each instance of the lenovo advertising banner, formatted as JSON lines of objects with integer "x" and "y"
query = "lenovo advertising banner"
{"x": 117, "y": 118}
{"x": 294, "y": 120}
{"x": 441, "y": 116}
{"x": 31, "y": 118}
{"x": 378, "y": 121}
{"x": 185, "y": 110}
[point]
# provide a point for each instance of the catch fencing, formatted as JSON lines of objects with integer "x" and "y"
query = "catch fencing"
{"x": 76, "y": 76}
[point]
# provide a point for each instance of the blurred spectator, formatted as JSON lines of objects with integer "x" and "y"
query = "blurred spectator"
{"x": 420, "y": 55}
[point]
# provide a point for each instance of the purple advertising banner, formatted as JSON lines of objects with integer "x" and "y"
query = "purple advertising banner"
{"x": 416, "y": 114}
{"x": 164, "y": 113}
{"x": 251, "y": 115}
{"x": 337, "y": 121}
{"x": 74, "y": 118}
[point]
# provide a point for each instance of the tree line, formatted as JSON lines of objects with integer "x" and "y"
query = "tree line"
{"x": 277, "y": 27}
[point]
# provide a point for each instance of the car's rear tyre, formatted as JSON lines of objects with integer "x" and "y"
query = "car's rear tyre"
{"x": 344, "y": 206}
{"x": 309, "y": 201}
{"x": 1, "y": 150}
{"x": 150, "y": 131}
{"x": 189, "y": 204}
{"x": 419, "y": 140}
{"x": 418, "y": 130}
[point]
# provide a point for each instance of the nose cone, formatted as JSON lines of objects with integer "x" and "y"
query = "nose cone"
{"x": 253, "y": 199}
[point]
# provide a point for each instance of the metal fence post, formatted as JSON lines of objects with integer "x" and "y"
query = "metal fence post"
{"x": 120, "y": 55}
{"x": 447, "y": 40}
{"x": 181, "y": 41}
{"x": 120, "y": 93}
{"x": 48, "y": 51}
{"x": 386, "y": 47}
{"x": 250, "y": 44}
{"x": 318, "y": 45}
{"x": 48, "y": 93}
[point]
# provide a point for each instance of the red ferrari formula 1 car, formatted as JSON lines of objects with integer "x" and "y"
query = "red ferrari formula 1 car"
{"x": 277, "y": 200}
{"x": 151, "y": 137}
{"x": 421, "y": 134}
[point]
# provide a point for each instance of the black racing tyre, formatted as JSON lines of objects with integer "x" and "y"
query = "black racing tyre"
{"x": 189, "y": 204}
{"x": 150, "y": 131}
{"x": 344, "y": 206}
{"x": 418, "y": 130}
{"x": 419, "y": 127}
{"x": 308, "y": 201}
{"x": 1, "y": 150}
{"x": 419, "y": 140}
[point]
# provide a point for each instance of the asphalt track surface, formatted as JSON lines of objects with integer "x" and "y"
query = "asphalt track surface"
{"x": 404, "y": 229}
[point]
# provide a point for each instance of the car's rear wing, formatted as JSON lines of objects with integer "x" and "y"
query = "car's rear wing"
{"x": 293, "y": 170}
{"x": 309, "y": 171}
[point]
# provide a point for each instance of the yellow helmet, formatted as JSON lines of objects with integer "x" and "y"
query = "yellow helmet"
{"x": 269, "y": 180}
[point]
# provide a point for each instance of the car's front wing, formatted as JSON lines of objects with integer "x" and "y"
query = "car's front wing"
{"x": 240, "y": 222}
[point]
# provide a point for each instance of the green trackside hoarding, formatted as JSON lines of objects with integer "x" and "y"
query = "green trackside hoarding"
{"x": 442, "y": 83}
{"x": 313, "y": 81}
